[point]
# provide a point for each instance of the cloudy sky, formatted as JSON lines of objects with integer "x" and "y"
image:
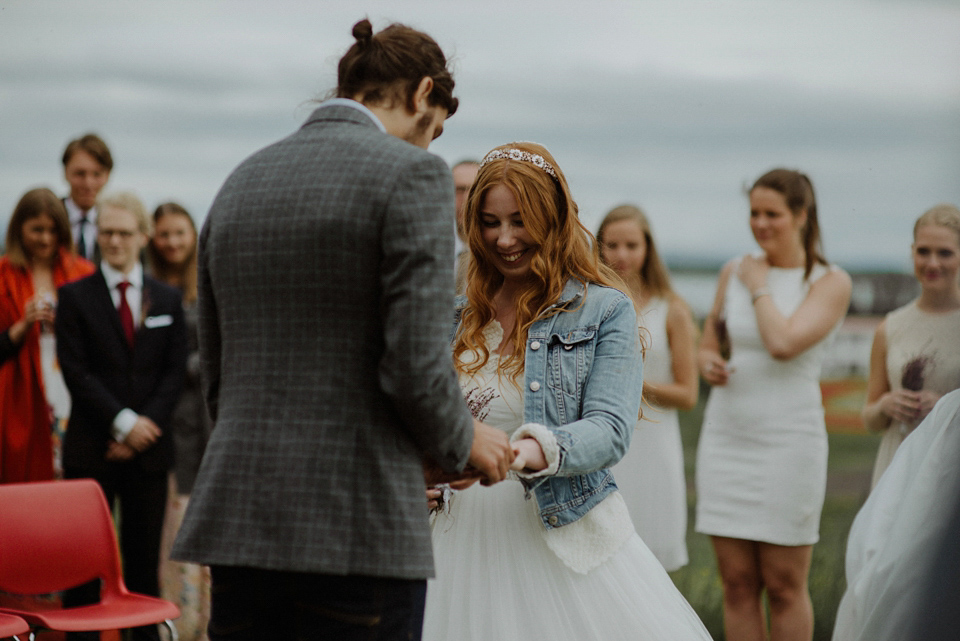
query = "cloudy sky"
{"x": 675, "y": 106}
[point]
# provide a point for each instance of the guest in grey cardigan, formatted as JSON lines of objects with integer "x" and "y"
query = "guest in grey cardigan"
{"x": 325, "y": 289}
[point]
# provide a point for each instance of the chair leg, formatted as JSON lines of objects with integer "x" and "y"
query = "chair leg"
{"x": 170, "y": 627}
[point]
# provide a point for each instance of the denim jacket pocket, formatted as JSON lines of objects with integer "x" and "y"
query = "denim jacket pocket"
{"x": 570, "y": 355}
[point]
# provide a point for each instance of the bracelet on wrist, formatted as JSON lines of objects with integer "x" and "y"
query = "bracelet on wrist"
{"x": 758, "y": 293}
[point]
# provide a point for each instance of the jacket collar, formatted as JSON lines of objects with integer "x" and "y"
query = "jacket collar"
{"x": 345, "y": 110}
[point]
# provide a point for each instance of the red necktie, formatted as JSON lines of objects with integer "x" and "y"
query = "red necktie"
{"x": 126, "y": 316}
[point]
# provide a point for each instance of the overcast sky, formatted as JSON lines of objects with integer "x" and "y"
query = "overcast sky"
{"x": 675, "y": 106}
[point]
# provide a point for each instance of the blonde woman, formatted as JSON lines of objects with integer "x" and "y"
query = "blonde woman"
{"x": 916, "y": 349}
{"x": 651, "y": 476}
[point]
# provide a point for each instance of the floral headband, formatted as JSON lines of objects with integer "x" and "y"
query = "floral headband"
{"x": 518, "y": 154}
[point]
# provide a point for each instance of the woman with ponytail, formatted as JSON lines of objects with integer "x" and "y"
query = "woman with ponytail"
{"x": 762, "y": 458}
{"x": 546, "y": 346}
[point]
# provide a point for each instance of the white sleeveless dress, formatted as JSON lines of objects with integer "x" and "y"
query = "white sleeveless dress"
{"x": 650, "y": 476}
{"x": 762, "y": 457}
{"x": 930, "y": 345}
{"x": 501, "y": 576}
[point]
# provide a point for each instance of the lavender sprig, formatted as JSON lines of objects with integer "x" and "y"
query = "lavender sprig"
{"x": 914, "y": 373}
{"x": 478, "y": 401}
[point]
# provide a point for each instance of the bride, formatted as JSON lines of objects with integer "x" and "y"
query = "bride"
{"x": 547, "y": 349}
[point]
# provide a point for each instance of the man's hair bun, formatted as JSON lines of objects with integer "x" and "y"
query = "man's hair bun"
{"x": 363, "y": 32}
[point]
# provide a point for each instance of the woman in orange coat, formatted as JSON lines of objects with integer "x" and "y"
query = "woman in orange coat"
{"x": 39, "y": 259}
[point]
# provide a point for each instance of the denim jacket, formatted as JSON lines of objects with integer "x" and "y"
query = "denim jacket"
{"x": 582, "y": 379}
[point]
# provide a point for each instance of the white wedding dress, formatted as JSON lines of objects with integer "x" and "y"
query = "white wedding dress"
{"x": 501, "y": 576}
{"x": 893, "y": 543}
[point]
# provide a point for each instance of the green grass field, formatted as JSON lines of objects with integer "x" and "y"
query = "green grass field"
{"x": 848, "y": 482}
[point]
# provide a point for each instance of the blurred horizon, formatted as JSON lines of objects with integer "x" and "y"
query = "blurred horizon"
{"x": 674, "y": 106}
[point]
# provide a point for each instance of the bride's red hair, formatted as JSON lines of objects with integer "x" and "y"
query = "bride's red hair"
{"x": 565, "y": 251}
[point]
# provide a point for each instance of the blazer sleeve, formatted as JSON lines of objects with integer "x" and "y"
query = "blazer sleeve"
{"x": 74, "y": 361}
{"x": 416, "y": 370}
{"x": 172, "y": 372}
{"x": 208, "y": 329}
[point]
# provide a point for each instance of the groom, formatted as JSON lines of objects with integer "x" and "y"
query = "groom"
{"x": 326, "y": 297}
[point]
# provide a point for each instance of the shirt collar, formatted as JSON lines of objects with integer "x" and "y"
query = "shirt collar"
{"x": 75, "y": 213}
{"x": 353, "y": 104}
{"x": 115, "y": 277}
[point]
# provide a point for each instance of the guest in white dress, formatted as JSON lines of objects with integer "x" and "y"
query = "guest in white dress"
{"x": 547, "y": 349}
{"x": 916, "y": 349}
{"x": 762, "y": 457}
{"x": 650, "y": 476}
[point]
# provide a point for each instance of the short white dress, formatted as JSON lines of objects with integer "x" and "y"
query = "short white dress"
{"x": 501, "y": 576}
{"x": 762, "y": 457}
{"x": 650, "y": 476}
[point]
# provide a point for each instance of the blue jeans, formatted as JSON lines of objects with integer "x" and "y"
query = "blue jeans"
{"x": 251, "y": 603}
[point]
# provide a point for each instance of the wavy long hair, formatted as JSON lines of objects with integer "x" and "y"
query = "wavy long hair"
{"x": 564, "y": 251}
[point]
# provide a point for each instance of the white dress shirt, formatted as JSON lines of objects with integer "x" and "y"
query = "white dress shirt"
{"x": 346, "y": 102}
{"x": 89, "y": 229}
{"x": 124, "y": 421}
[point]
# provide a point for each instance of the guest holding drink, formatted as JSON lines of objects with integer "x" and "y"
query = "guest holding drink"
{"x": 34, "y": 402}
{"x": 172, "y": 255}
{"x": 650, "y": 476}
{"x": 762, "y": 458}
{"x": 915, "y": 357}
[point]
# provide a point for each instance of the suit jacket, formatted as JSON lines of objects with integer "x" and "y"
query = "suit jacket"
{"x": 104, "y": 375}
{"x": 325, "y": 277}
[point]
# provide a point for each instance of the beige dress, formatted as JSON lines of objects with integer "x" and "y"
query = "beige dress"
{"x": 925, "y": 346}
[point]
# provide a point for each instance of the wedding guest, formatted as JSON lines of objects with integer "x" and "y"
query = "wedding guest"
{"x": 915, "y": 357}
{"x": 547, "y": 349}
{"x": 34, "y": 403}
{"x": 464, "y": 173}
{"x": 762, "y": 458}
{"x": 172, "y": 255}
{"x": 123, "y": 348}
{"x": 650, "y": 475}
{"x": 87, "y": 164}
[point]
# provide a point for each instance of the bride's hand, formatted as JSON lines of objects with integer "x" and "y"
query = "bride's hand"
{"x": 528, "y": 456}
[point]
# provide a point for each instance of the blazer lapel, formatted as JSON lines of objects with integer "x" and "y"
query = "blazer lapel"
{"x": 104, "y": 303}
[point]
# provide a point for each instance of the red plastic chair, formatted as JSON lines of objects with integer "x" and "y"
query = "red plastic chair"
{"x": 11, "y": 626}
{"x": 59, "y": 534}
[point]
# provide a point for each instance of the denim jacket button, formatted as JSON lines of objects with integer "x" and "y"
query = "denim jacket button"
{"x": 534, "y": 386}
{"x": 568, "y": 347}
{"x": 552, "y": 520}
{"x": 535, "y": 345}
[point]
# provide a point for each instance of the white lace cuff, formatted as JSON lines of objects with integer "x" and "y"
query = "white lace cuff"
{"x": 548, "y": 443}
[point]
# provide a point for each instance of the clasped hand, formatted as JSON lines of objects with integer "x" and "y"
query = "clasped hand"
{"x": 143, "y": 435}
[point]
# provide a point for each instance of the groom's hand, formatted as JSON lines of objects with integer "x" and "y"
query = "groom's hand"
{"x": 491, "y": 452}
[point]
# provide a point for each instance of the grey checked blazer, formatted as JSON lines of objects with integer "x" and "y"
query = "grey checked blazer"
{"x": 326, "y": 288}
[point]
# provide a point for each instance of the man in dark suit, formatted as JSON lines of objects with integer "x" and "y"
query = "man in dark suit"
{"x": 87, "y": 164}
{"x": 122, "y": 347}
{"x": 325, "y": 303}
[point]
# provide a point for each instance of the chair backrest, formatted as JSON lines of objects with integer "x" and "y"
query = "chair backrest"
{"x": 55, "y": 535}
{"x": 11, "y": 625}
